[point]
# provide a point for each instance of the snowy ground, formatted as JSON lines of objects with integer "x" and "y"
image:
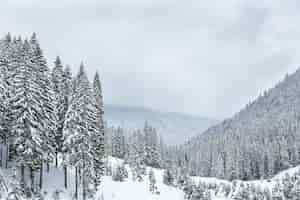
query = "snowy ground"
{"x": 134, "y": 190}
{"x": 128, "y": 190}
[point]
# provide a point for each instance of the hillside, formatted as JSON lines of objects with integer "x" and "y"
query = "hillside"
{"x": 174, "y": 127}
{"x": 259, "y": 141}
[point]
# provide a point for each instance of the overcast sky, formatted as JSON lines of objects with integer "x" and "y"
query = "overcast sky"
{"x": 203, "y": 57}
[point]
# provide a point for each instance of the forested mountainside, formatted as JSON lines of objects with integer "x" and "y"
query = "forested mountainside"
{"x": 175, "y": 128}
{"x": 259, "y": 141}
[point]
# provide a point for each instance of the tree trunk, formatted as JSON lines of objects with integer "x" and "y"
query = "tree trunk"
{"x": 76, "y": 183}
{"x": 83, "y": 186}
{"x": 7, "y": 155}
{"x": 41, "y": 176}
{"x": 32, "y": 179}
{"x": 22, "y": 176}
{"x": 56, "y": 159}
{"x": 1, "y": 155}
{"x": 66, "y": 176}
{"x": 79, "y": 174}
{"x": 48, "y": 166}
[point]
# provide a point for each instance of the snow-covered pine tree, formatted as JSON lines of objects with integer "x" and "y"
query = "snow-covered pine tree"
{"x": 67, "y": 87}
{"x": 98, "y": 137}
{"x": 47, "y": 111}
{"x": 5, "y": 120}
{"x": 152, "y": 150}
{"x": 182, "y": 177}
{"x": 108, "y": 139}
{"x": 118, "y": 143}
{"x": 57, "y": 77}
{"x": 27, "y": 106}
{"x": 134, "y": 158}
{"x": 67, "y": 92}
{"x": 7, "y": 48}
{"x": 3, "y": 113}
{"x": 79, "y": 127}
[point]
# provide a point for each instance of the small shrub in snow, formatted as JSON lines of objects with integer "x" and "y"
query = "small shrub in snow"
{"x": 188, "y": 189}
{"x": 38, "y": 195}
{"x": 296, "y": 190}
{"x": 200, "y": 193}
{"x": 277, "y": 192}
{"x": 152, "y": 183}
{"x": 242, "y": 193}
{"x": 120, "y": 173}
{"x": 168, "y": 177}
{"x": 287, "y": 186}
{"x": 56, "y": 194}
{"x": 108, "y": 170}
{"x": 224, "y": 189}
{"x": 267, "y": 194}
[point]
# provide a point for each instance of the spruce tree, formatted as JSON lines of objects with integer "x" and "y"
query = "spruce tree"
{"x": 46, "y": 99}
{"x": 27, "y": 111}
{"x": 8, "y": 49}
{"x": 5, "y": 121}
{"x": 98, "y": 137}
{"x": 58, "y": 88}
{"x": 118, "y": 143}
{"x": 67, "y": 92}
{"x": 79, "y": 128}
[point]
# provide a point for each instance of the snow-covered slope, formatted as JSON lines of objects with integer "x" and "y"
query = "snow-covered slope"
{"x": 109, "y": 189}
{"x": 134, "y": 190}
{"x": 174, "y": 127}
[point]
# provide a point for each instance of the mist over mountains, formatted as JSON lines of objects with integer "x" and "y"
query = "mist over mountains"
{"x": 175, "y": 128}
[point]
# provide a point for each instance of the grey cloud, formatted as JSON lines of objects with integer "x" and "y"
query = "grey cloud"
{"x": 201, "y": 57}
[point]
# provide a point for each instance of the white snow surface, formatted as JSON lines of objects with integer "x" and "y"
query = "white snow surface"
{"x": 129, "y": 189}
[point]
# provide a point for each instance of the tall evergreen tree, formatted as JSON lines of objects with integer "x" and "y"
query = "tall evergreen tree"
{"x": 5, "y": 93}
{"x": 46, "y": 100}
{"x": 98, "y": 138}
{"x": 79, "y": 129}
{"x": 58, "y": 87}
{"x": 27, "y": 111}
{"x": 67, "y": 92}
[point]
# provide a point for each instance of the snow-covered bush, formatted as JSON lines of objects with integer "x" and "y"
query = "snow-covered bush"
{"x": 120, "y": 173}
{"x": 168, "y": 177}
{"x": 152, "y": 183}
